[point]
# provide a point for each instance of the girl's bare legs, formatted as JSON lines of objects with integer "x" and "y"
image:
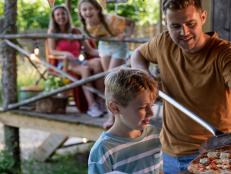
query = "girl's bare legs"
{"x": 116, "y": 62}
{"x": 84, "y": 71}
{"x": 105, "y": 61}
{"x": 96, "y": 67}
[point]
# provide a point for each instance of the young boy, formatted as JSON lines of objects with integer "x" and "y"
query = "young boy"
{"x": 131, "y": 145}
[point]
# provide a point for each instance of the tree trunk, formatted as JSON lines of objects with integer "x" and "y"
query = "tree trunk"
{"x": 9, "y": 77}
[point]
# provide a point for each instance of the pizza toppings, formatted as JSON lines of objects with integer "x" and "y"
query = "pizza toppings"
{"x": 224, "y": 155}
{"x": 204, "y": 160}
{"x": 215, "y": 161}
{"x": 212, "y": 154}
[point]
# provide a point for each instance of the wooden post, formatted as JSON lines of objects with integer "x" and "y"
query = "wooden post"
{"x": 9, "y": 77}
{"x": 68, "y": 5}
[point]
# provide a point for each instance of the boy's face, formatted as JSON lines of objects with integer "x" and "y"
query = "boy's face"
{"x": 136, "y": 115}
{"x": 185, "y": 28}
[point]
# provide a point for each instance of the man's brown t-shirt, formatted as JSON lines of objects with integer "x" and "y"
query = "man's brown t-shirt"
{"x": 200, "y": 81}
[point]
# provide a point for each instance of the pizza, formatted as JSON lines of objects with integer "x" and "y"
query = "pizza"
{"x": 212, "y": 162}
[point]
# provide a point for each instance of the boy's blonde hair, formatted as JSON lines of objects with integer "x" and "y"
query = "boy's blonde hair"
{"x": 124, "y": 84}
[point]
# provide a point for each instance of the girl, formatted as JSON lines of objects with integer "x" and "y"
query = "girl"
{"x": 63, "y": 49}
{"x": 97, "y": 24}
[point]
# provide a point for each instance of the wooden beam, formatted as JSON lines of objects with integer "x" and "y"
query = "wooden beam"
{"x": 54, "y": 68}
{"x": 48, "y": 147}
{"x": 47, "y": 65}
{"x": 68, "y": 36}
{"x": 68, "y": 128}
{"x": 42, "y": 36}
{"x": 59, "y": 90}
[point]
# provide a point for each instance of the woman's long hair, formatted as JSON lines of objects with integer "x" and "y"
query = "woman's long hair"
{"x": 53, "y": 26}
{"x": 101, "y": 16}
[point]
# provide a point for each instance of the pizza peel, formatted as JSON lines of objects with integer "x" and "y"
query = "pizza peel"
{"x": 219, "y": 138}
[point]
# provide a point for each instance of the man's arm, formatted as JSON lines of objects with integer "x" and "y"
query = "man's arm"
{"x": 138, "y": 61}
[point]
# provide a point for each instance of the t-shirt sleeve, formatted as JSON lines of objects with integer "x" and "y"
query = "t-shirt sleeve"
{"x": 97, "y": 162}
{"x": 227, "y": 70}
{"x": 117, "y": 24}
{"x": 149, "y": 50}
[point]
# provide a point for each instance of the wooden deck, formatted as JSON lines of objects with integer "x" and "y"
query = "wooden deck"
{"x": 61, "y": 126}
{"x": 69, "y": 124}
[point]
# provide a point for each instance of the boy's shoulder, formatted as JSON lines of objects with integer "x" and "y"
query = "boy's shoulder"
{"x": 98, "y": 148}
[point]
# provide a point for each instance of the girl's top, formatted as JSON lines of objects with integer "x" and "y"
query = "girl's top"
{"x": 72, "y": 46}
{"x": 116, "y": 25}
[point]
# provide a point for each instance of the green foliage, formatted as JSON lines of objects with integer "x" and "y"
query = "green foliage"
{"x": 6, "y": 162}
{"x": 142, "y": 11}
{"x": 53, "y": 82}
{"x": 1, "y": 7}
{"x": 32, "y": 15}
{"x": 35, "y": 14}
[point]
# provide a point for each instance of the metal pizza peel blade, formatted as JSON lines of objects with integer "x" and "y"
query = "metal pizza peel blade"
{"x": 219, "y": 138}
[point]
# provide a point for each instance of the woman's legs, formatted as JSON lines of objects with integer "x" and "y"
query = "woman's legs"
{"x": 84, "y": 71}
{"x": 96, "y": 67}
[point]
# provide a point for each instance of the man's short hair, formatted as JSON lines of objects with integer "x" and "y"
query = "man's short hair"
{"x": 180, "y": 4}
{"x": 124, "y": 84}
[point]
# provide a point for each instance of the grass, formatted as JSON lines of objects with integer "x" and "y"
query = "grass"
{"x": 59, "y": 164}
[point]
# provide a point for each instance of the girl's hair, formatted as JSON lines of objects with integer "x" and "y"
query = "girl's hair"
{"x": 101, "y": 16}
{"x": 180, "y": 4}
{"x": 124, "y": 84}
{"x": 53, "y": 26}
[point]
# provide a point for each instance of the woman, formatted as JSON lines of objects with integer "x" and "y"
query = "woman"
{"x": 69, "y": 50}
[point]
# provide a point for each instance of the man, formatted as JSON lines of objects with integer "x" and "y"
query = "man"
{"x": 195, "y": 69}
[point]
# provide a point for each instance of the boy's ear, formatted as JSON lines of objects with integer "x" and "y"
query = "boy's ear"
{"x": 113, "y": 107}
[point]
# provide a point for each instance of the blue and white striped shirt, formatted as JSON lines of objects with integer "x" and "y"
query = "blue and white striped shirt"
{"x": 138, "y": 156}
